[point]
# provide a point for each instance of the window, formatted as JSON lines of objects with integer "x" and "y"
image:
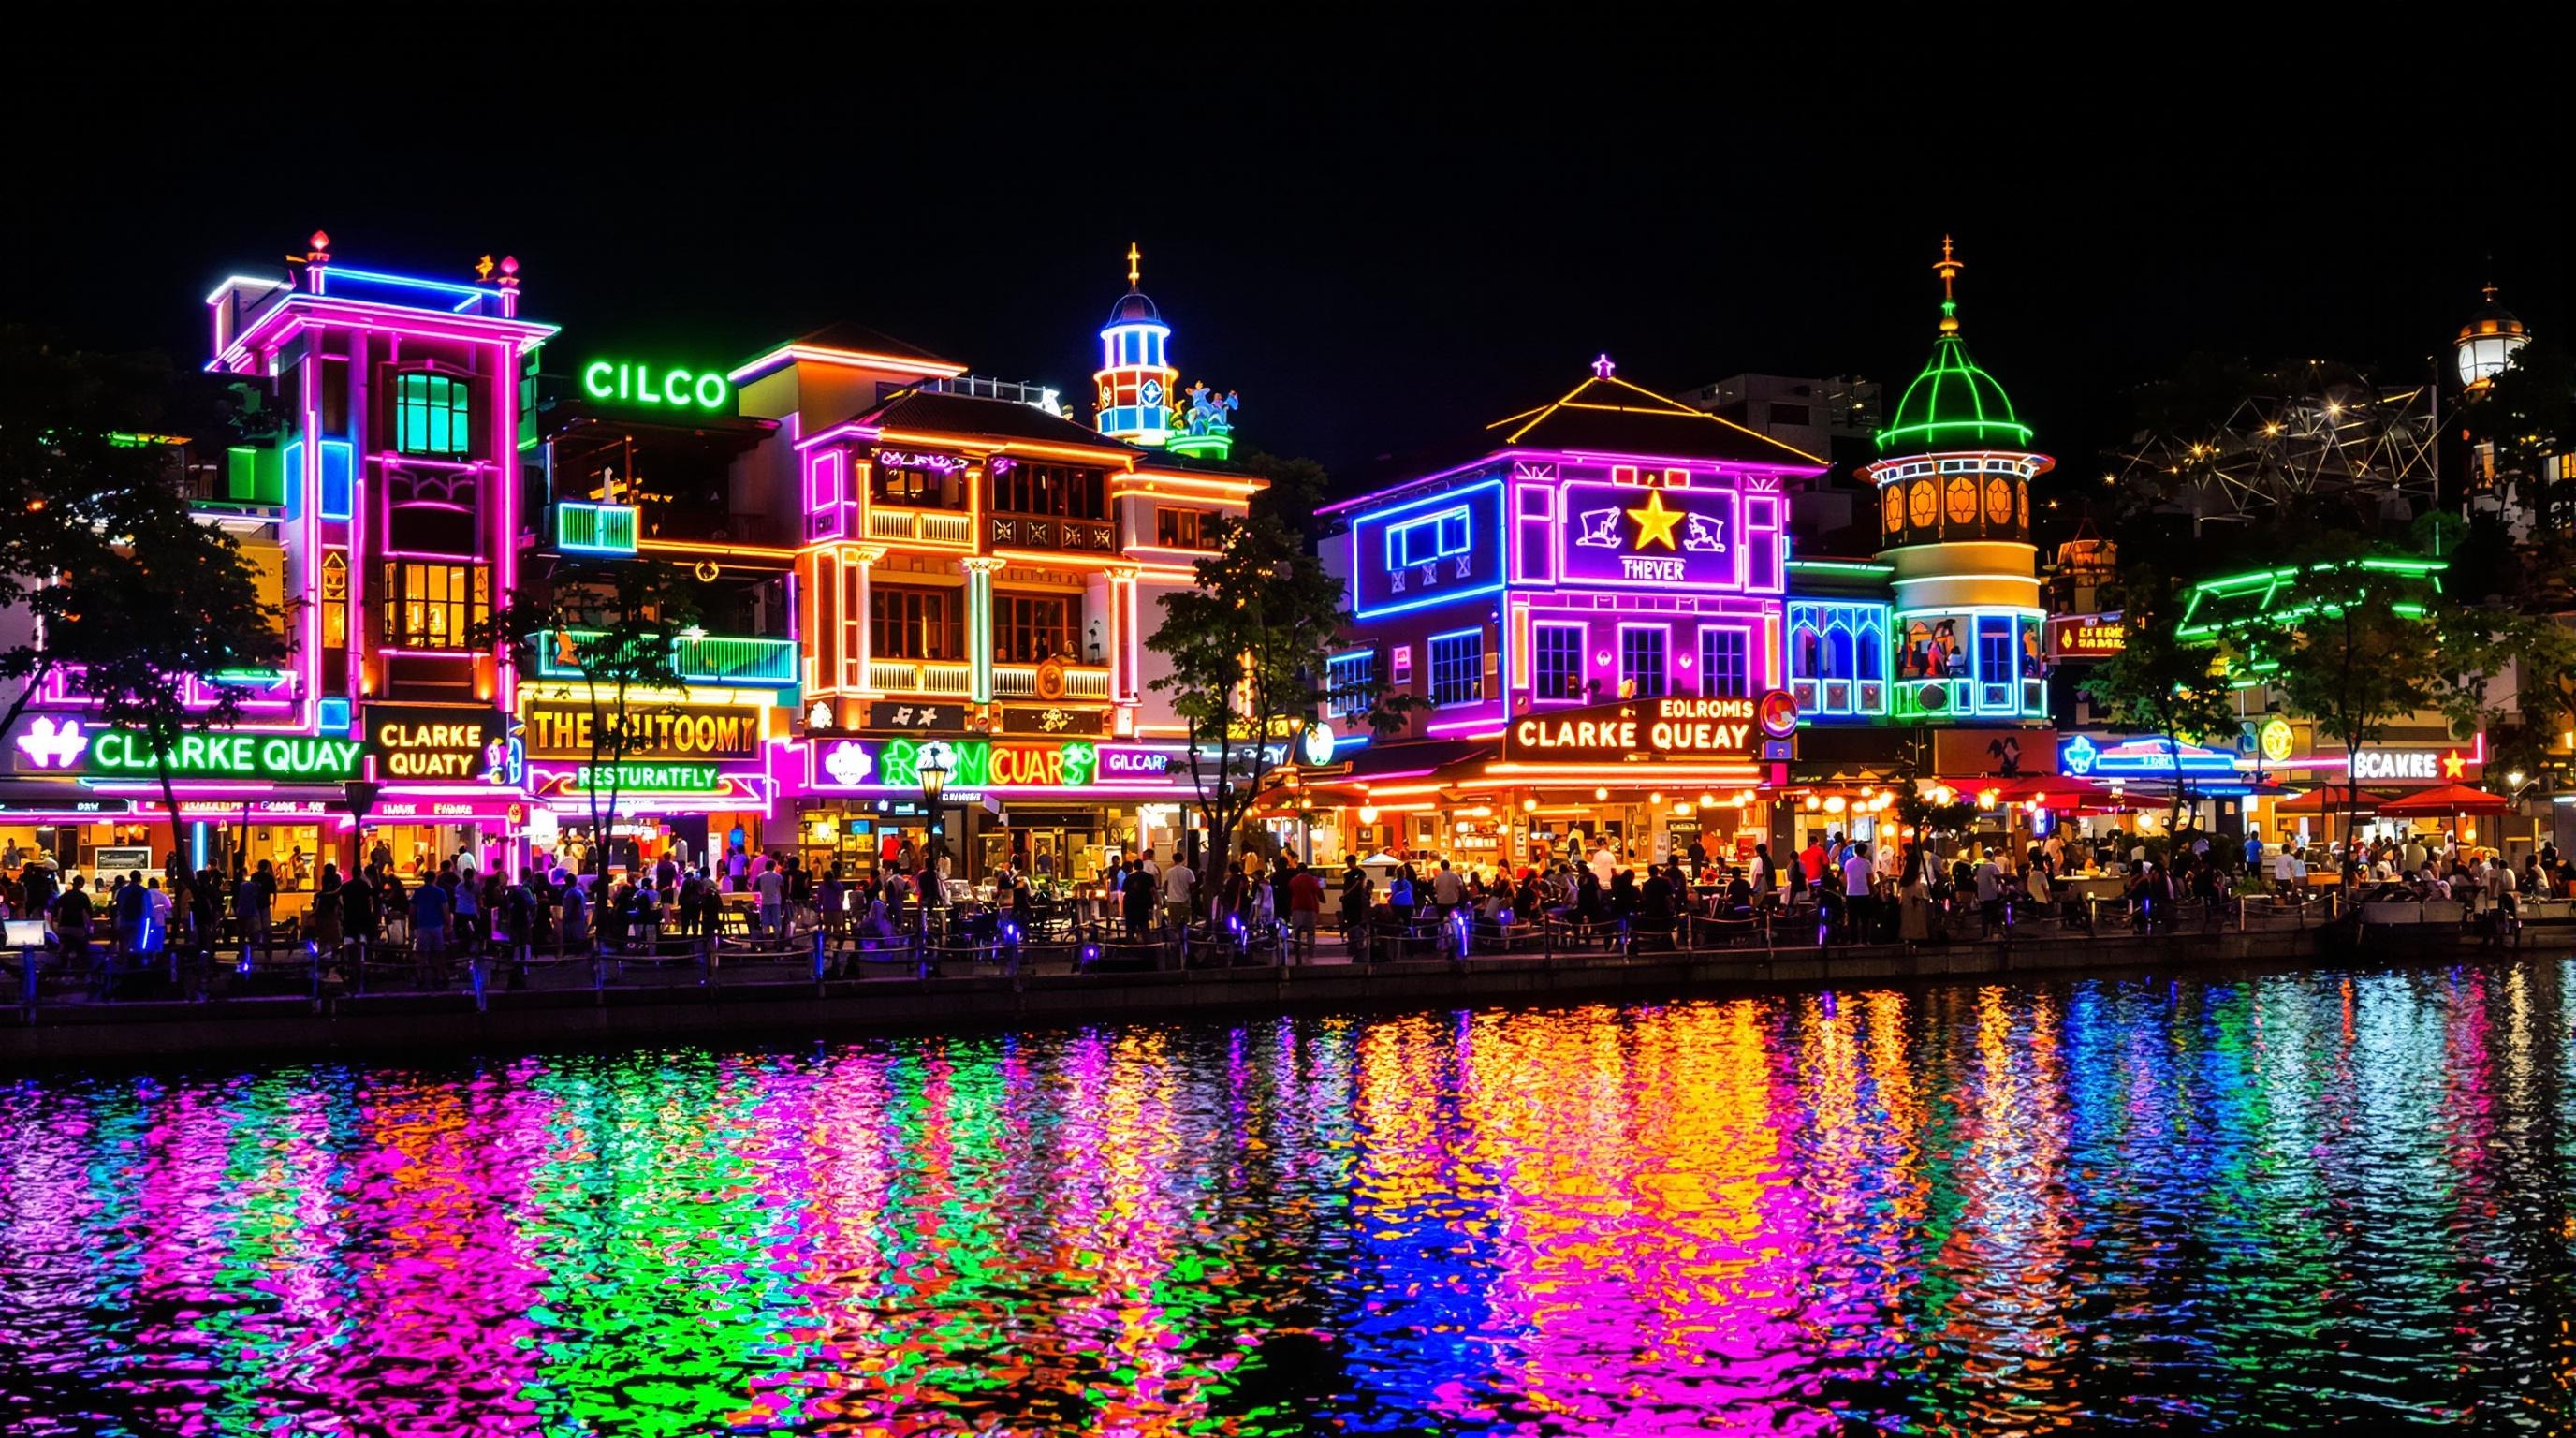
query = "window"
{"x": 1997, "y": 661}
{"x": 921, "y": 481}
{"x": 1458, "y": 667}
{"x": 434, "y": 606}
{"x": 1556, "y": 661}
{"x": 335, "y": 600}
{"x": 433, "y": 414}
{"x": 1427, "y": 540}
{"x": 1641, "y": 663}
{"x": 1184, "y": 529}
{"x": 1790, "y": 414}
{"x": 916, "y": 623}
{"x": 1032, "y": 628}
{"x": 1350, "y": 677}
{"x": 1019, "y": 487}
{"x": 1726, "y": 663}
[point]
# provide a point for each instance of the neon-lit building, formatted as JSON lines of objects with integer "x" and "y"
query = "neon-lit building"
{"x": 1953, "y": 482}
{"x": 382, "y": 514}
{"x": 1611, "y": 550}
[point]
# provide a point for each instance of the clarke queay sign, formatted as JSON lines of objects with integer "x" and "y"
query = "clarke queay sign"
{"x": 1681, "y": 727}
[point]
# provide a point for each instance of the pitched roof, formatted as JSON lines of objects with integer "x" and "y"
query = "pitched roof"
{"x": 966, "y": 415}
{"x": 1608, "y": 415}
{"x": 860, "y": 339}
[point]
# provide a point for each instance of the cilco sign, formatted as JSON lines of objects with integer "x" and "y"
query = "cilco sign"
{"x": 626, "y": 382}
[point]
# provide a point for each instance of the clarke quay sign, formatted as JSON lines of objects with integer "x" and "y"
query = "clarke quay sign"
{"x": 1636, "y": 730}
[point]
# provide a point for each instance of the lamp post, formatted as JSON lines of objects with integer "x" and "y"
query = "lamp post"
{"x": 938, "y": 760}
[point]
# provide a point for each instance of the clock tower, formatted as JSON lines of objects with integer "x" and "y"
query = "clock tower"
{"x": 1135, "y": 380}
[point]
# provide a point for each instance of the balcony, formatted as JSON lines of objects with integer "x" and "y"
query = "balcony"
{"x": 951, "y": 528}
{"x": 728, "y": 660}
{"x": 1029, "y": 531}
{"x": 594, "y": 528}
{"x": 948, "y": 679}
{"x": 736, "y": 659}
{"x": 1020, "y": 681}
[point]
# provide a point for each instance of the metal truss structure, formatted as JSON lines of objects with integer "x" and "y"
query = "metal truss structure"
{"x": 2310, "y": 435}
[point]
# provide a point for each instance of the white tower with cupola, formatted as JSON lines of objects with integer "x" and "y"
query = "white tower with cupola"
{"x": 1136, "y": 379}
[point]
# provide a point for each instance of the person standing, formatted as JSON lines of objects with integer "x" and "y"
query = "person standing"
{"x": 1305, "y": 908}
{"x": 772, "y": 888}
{"x": 431, "y": 903}
{"x": 1355, "y": 902}
{"x": 1136, "y": 901}
{"x": 1858, "y": 902}
{"x": 1176, "y": 884}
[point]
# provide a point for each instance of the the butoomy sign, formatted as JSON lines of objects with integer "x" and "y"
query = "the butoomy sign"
{"x": 564, "y": 729}
{"x": 1640, "y": 730}
{"x": 1625, "y": 535}
{"x": 425, "y": 742}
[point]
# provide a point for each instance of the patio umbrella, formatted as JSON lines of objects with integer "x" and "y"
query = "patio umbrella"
{"x": 2447, "y": 799}
{"x": 2053, "y": 791}
{"x": 2333, "y": 799}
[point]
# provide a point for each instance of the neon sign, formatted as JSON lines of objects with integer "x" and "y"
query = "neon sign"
{"x": 421, "y": 742}
{"x": 1623, "y": 535}
{"x": 1723, "y": 727}
{"x": 647, "y": 778}
{"x": 48, "y": 746}
{"x": 228, "y": 756}
{"x": 1439, "y": 549}
{"x": 2144, "y": 758}
{"x": 625, "y": 382}
{"x": 978, "y": 763}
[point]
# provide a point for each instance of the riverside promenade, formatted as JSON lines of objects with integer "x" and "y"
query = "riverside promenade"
{"x": 794, "y": 992}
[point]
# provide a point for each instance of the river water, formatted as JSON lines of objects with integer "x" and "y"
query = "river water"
{"x": 2285, "y": 1200}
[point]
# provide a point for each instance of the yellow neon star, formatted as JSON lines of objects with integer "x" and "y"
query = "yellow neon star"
{"x": 2453, "y": 766}
{"x": 1654, "y": 522}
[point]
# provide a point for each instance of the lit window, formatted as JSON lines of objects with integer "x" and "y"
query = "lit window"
{"x": 1556, "y": 661}
{"x": 1351, "y": 676}
{"x": 1641, "y": 664}
{"x": 1458, "y": 668}
{"x": 433, "y": 414}
{"x": 435, "y": 606}
{"x": 1726, "y": 663}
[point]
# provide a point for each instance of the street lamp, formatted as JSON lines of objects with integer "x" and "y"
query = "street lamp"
{"x": 937, "y": 761}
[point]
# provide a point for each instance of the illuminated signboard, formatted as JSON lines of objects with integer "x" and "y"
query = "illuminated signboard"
{"x": 648, "y": 778}
{"x": 662, "y": 386}
{"x": 977, "y": 763}
{"x": 421, "y": 741}
{"x": 1640, "y": 730}
{"x": 2087, "y": 636}
{"x": 1437, "y": 549}
{"x": 563, "y": 729}
{"x": 2086, "y": 757}
{"x": 118, "y": 754}
{"x": 2276, "y": 739}
{"x": 1633, "y": 537}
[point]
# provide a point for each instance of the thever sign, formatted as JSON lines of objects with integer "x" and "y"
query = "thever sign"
{"x": 420, "y": 741}
{"x": 1640, "y": 729}
{"x": 562, "y": 729}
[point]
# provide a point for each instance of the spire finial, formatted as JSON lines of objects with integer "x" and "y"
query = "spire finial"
{"x": 1948, "y": 270}
{"x": 1133, "y": 255}
{"x": 1601, "y": 365}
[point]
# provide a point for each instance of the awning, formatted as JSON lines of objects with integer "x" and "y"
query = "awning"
{"x": 1414, "y": 759}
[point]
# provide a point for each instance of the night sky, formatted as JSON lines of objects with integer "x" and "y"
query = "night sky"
{"x": 1379, "y": 239}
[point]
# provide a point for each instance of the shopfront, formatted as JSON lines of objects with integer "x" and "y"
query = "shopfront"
{"x": 693, "y": 784}
{"x": 1058, "y": 810}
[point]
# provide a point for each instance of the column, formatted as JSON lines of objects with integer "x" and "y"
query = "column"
{"x": 979, "y": 625}
{"x": 865, "y": 557}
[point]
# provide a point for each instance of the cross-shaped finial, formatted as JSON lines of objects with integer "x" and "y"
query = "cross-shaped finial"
{"x": 1601, "y": 365}
{"x": 1133, "y": 255}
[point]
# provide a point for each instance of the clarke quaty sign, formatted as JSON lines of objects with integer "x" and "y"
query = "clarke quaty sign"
{"x": 662, "y": 386}
{"x": 419, "y": 741}
{"x": 1619, "y": 534}
{"x": 1637, "y": 730}
{"x": 562, "y": 729}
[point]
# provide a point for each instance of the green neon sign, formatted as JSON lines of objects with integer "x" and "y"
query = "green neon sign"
{"x": 672, "y": 387}
{"x": 229, "y": 756}
{"x": 647, "y": 778}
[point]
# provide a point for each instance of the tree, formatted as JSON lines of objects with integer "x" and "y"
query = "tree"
{"x": 2159, "y": 684}
{"x": 2483, "y": 643}
{"x": 121, "y": 591}
{"x": 617, "y": 624}
{"x": 2348, "y": 645}
{"x": 1248, "y": 649}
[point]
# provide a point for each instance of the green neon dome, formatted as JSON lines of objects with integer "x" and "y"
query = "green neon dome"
{"x": 1952, "y": 405}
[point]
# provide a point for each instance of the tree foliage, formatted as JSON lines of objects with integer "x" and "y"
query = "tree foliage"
{"x": 2159, "y": 683}
{"x": 1247, "y": 650}
{"x": 2352, "y": 647}
{"x": 617, "y": 624}
{"x": 117, "y": 587}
